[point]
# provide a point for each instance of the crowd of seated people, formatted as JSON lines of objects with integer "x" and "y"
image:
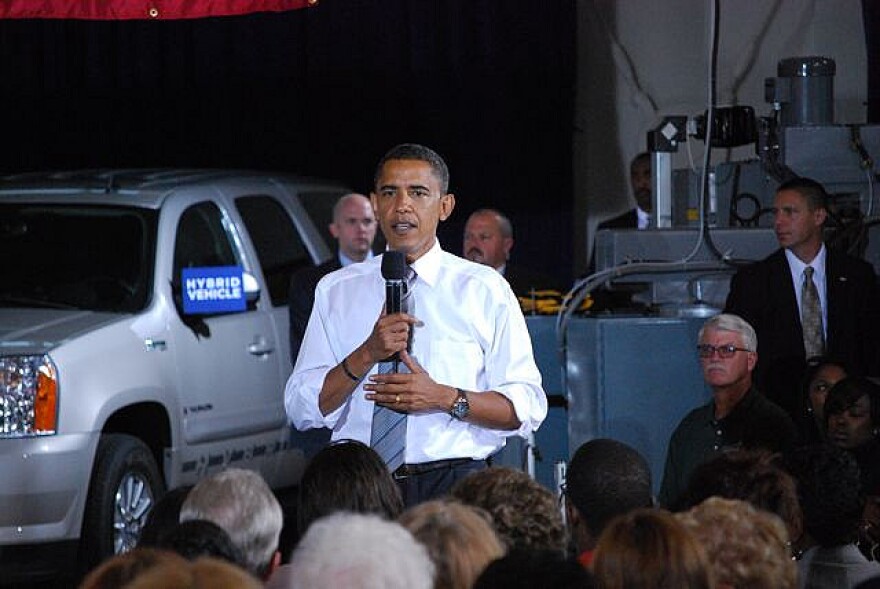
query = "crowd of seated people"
{"x": 805, "y": 517}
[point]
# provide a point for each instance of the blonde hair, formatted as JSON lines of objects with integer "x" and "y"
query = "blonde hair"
{"x": 460, "y": 540}
{"x": 747, "y": 547}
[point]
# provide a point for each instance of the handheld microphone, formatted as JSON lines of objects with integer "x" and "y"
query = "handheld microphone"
{"x": 394, "y": 273}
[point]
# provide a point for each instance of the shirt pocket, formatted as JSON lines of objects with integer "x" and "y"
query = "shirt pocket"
{"x": 456, "y": 363}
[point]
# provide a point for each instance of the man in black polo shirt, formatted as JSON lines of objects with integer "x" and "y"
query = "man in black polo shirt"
{"x": 738, "y": 416}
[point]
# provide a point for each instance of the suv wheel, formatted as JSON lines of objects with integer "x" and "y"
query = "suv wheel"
{"x": 125, "y": 485}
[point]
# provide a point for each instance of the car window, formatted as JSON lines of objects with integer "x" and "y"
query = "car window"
{"x": 97, "y": 258}
{"x": 202, "y": 240}
{"x": 279, "y": 246}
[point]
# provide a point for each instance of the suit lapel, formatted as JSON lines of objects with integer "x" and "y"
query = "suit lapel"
{"x": 835, "y": 293}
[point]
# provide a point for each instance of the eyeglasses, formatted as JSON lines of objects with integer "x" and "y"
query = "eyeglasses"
{"x": 708, "y": 350}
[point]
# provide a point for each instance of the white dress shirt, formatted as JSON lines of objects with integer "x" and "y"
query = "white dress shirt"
{"x": 819, "y": 279}
{"x": 472, "y": 335}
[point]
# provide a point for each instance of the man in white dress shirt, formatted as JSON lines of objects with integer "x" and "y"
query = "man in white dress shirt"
{"x": 470, "y": 379}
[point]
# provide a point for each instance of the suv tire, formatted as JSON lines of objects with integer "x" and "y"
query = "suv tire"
{"x": 125, "y": 485}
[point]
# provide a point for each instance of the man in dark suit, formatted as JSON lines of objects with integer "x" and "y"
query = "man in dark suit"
{"x": 354, "y": 227}
{"x": 488, "y": 238}
{"x": 772, "y": 295}
{"x": 640, "y": 180}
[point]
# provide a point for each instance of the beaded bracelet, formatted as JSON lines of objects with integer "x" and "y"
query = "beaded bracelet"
{"x": 349, "y": 373}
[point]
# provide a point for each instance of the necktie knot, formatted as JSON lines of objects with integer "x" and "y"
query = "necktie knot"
{"x": 808, "y": 273}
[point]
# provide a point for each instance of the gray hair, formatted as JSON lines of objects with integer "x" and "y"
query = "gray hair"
{"x": 360, "y": 550}
{"x": 240, "y": 502}
{"x": 732, "y": 323}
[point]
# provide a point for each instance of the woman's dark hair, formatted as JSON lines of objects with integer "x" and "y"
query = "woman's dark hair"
{"x": 829, "y": 491}
{"x": 849, "y": 390}
{"x": 346, "y": 475}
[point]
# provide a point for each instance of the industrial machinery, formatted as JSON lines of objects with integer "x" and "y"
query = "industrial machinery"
{"x": 632, "y": 376}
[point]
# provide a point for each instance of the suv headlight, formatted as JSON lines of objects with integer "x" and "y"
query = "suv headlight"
{"x": 28, "y": 396}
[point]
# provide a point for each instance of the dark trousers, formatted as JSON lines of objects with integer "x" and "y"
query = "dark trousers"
{"x": 422, "y": 482}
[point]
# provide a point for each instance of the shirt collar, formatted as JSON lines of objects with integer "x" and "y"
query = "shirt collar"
{"x": 644, "y": 218}
{"x": 345, "y": 260}
{"x": 744, "y": 404}
{"x": 797, "y": 266}
{"x": 427, "y": 267}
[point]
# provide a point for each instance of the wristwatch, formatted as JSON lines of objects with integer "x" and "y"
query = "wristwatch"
{"x": 460, "y": 407}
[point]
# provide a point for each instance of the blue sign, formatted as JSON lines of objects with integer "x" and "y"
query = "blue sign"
{"x": 217, "y": 289}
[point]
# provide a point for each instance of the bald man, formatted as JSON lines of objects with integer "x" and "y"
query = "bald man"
{"x": 354, "y": 228}
{"x": 488, "y": 239}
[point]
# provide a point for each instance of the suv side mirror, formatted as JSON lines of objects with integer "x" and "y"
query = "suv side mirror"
{"x": 251, "y": 288}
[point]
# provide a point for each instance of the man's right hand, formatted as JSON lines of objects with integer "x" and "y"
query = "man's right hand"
{"x": 390, "y": 335}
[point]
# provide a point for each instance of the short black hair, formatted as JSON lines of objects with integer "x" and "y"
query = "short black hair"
{"x": 811, "y": 190}
{"x": 195, "y": 538}
{"x": 529, "y": 568}
{"x": 607, "y": 478}
{"x": 414, "y": 151}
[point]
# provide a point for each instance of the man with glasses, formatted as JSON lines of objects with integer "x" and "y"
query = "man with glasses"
{"x": 738, "y": 416}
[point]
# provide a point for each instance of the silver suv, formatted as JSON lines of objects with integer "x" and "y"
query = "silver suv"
{"x": 110, "y": 391}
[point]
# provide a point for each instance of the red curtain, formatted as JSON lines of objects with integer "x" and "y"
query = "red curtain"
{"x": 142, "y": 9}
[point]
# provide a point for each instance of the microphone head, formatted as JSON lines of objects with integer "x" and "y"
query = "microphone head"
{"x": 393, "y": 265}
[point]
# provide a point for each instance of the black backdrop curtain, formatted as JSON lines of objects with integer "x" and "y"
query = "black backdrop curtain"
{"x": 871, "y": 14}
{"x": 324, "y": 91}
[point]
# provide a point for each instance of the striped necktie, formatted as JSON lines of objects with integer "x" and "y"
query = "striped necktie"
{"x": 388, "y": 434}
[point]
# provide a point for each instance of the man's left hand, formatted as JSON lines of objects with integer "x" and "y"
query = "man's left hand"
{"x": 411, "y": 392}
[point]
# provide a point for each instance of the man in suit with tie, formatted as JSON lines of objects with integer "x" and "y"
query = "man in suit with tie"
{"x": 640, "y": 180}
{"x": 354, "y": 228}
{"x": 805, "y": 299}
{"x": 488, "y": 239}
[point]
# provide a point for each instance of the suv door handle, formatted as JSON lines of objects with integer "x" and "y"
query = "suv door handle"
{"x": 260, "y": 347}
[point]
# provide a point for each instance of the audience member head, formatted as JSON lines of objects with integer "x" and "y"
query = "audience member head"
{"x": 354, "y": 226}
{"x": 240, "y": 502}
{"x": 346, "y": 476}
{"x": 164, "y": 515}
{"x": 525, "y": 513}
{"x": 360, "y": 550}
{"x": 640, "y": 180}
{"x": 605, "y": 478}
{"x": 746, "y": 546}
{"x": 650, "y": 549}
{"x": 460, "y": 539}
{"x": 198, "y": 537}
{"x": 829, "y": 492}
{"x": 203, "y": 573}
{"x": 527, "y": 569}
{"x": 852, "y": 412}
{"x": 822, "y": 373}
{"x": 728, "y": 352}
{"x": 752, "y": 476}
{"x": 488, "y": 237}
{"x": 121, "y": 569}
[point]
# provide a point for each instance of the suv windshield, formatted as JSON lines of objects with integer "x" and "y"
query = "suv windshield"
{"x": 97, "y": 258}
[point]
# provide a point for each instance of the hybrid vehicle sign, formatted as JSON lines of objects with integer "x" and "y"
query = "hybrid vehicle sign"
{"x": 217, "y": 289}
